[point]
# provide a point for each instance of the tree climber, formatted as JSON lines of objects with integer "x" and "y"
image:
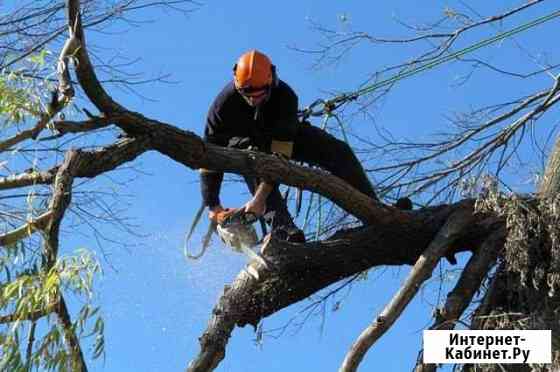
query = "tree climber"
{"x": 259, "y": 111}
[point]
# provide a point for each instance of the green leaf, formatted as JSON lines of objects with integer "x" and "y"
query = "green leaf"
{"x": 39, "y": 58}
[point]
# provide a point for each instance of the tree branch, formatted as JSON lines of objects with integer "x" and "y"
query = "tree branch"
{"x": 33, "y": 132}
{"x": 65, "y": 126}
{"x": 62, "y": 196}
{"x": 470, "y": 281}
{"x": 92, "y": 163}
{"x": 421, "y": 271}
{"x": 297, "y": 271}
{"x": 84, "y": 69}
{"x": 26, "y": 230}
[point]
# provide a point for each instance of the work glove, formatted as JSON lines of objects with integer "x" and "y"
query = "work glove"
{"x": 220, "y": 215}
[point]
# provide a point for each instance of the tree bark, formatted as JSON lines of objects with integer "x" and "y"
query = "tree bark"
{"x": 550, "y": 184}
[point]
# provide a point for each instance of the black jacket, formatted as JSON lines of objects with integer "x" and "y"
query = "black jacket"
{"x": 230, "y": 117}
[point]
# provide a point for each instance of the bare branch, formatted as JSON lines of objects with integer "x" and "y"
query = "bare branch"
{"x": 92, "y": 164}
{"x": 66, "y": 126}
{"x": 489, "y": 143}
{"x": 62, "y": 196}
{"x": 84, "y": 69}
{"x": 470, "y": 281}
{"x": 297, "y": 271}
{"x": 27, "y": 179}
{"x": 340, "y": 43}
{"x": 421, "y": 271}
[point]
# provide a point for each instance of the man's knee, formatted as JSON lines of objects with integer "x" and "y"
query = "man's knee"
{"x": 342, "y": 152}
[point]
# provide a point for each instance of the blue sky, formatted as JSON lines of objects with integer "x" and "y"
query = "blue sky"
{"x": 155, "y": 303}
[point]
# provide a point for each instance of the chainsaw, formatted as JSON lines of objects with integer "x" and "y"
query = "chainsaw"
{"x": 237, "y": 231}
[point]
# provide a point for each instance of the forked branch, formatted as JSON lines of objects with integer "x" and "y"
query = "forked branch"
{"x": 421, "y": 271}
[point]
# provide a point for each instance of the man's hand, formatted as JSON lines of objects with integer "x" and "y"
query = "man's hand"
{"x": 256, "y": 206}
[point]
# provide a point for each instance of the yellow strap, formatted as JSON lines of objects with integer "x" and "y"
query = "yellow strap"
{"x": 282, "y": 147}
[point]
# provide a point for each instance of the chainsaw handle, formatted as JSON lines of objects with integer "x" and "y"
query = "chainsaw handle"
{"x": 250, "y": 218}
{"x": 239, "y": 216}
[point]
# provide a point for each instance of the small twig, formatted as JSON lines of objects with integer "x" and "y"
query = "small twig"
{"x": 30, "y": 341}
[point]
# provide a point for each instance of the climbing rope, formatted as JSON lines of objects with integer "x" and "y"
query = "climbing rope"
{"x": 328, "y": 106}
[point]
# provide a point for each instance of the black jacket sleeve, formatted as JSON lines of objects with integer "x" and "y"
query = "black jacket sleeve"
{"x": 210, "y": 183}
{"x": 215, "y": 132}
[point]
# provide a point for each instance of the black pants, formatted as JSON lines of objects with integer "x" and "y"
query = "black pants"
{"x": 316, "y": 147}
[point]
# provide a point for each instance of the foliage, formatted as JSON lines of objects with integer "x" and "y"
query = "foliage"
{"x": 38, "y": 291}
{"x": 16, "y": 102}
{"x": 20, "y": 93}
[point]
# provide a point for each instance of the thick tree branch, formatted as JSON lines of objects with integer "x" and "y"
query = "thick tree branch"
{"x": 421, "y": 271}
{"x": 84, "y": 69}
{"x": 297, "y": 271}
{"x": 62, "y": 196}
{"x": 188, "y": 149}
{"x": 92, "y": 163}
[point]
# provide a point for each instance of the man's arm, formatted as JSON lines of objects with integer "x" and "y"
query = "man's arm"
{"x": 257, "y": 204}
{"x": 210, "y": 184}
{"x": 215, "y": 133}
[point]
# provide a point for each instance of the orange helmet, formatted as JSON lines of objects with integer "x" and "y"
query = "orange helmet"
{"x": 253, "y": 70}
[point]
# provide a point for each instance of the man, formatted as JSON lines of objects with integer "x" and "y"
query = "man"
{"x": 260, "y": 111}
